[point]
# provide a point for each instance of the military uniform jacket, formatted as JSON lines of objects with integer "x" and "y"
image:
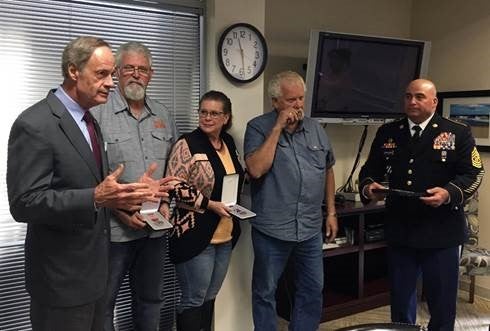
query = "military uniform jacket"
{"x": 445, "y": 156}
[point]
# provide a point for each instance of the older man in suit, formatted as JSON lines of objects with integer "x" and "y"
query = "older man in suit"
{"x": 55, "y": 179}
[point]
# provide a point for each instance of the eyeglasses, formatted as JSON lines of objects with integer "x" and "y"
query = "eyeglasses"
{"x": 131, "y": 70}
{"x": 213, "y": 114}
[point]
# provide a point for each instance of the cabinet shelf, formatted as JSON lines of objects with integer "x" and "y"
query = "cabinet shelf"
{"x": 355, "y": 275}
{"x": 340, "y": 250}
{"x": 374, "y": 245}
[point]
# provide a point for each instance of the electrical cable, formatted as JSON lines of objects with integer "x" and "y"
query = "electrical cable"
{"x": 348, "y": 186}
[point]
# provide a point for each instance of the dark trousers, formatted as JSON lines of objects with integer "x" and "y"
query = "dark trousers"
{"x": 439, "y": 269}
{"x": 144, "y": 259}
{"x": 88, "y": 317}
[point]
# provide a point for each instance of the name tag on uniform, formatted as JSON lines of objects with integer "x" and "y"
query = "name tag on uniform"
{"x": 389, "y": 147}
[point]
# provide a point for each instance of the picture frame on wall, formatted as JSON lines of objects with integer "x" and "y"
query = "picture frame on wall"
{"x": 471, "y": 108}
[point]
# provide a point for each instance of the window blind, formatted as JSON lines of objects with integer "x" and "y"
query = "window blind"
{"x": 34, "y": 33}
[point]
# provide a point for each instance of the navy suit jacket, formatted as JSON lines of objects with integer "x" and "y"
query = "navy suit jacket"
{"x": 445, "y": 156}
{"x": 51, "y": 176}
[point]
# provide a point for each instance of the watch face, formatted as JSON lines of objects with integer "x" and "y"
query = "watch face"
{"x": 242, "y": 52}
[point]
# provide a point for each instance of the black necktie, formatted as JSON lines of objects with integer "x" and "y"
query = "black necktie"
{"x": 416, "y": 135}
{"x": 89, "y": 121}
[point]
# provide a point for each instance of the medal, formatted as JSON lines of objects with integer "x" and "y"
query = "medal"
{"x": 445, "y": 141}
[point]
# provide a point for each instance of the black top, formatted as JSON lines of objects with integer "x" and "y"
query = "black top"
{"x": 195, "y": 240}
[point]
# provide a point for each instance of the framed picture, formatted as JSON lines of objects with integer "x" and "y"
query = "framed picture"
{"x": 472, "y": 108}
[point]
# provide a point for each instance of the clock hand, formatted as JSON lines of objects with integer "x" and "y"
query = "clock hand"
{"x": 242, "y": 55}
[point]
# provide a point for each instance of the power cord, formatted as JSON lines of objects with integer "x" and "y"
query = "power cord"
{"x": 349, "y": 185}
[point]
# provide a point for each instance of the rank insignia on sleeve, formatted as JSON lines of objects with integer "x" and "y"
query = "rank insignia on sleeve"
{"x": 445, "y": 141}
{"x": 475, "y": 158}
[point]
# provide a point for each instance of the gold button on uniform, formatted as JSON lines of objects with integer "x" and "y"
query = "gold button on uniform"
{"x": 409, "y": 171}
{"x": 410, "y": 161}
{"x": 409, "y": 182}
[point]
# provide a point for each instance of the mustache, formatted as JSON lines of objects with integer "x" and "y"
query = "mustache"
{"x": 136, "y": 82}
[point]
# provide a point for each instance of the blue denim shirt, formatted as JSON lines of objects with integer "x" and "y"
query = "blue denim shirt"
{"x": 136, "y": 143}
{"x": 288, "y": 198}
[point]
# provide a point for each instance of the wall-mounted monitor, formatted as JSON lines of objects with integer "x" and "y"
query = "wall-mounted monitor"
{"x": 361, "y": 79}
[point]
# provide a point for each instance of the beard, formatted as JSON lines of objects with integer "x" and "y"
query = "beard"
{"x": 135, "y": 91}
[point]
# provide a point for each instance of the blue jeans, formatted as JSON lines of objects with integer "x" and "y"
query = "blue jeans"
{"x": 144, "y": 258}
{"x": 201, "y": 277}
{"x": 271, "y": 257}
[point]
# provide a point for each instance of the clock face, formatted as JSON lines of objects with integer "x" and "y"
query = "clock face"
{"x": 242, "y": 53}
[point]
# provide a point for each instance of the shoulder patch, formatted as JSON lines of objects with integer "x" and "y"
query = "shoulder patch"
{"x": 394, "y": 124}
{"x": 457, "y": 122}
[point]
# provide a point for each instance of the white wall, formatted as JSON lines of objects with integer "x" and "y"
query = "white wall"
{"x": 233, "y": 304}
{"x": 288, "y": 23}
{"x": 460, "y": 61}
{"x": 287, "y": 27}
{"x": 459, "y": 31}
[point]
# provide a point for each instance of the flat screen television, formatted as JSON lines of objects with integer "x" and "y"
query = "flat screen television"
{"x": 361, "y": 79}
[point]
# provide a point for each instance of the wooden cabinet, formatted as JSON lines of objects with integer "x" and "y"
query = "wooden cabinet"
{"x": 355, "y": 273}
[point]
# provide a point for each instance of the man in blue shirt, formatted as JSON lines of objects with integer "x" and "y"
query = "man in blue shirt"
{"x": 290, "y": 160}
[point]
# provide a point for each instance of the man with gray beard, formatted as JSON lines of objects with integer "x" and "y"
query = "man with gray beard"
{"x": 139, "y": 133}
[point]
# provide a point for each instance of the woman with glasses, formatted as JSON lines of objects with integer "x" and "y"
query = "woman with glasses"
{"x": 204, "y": 230}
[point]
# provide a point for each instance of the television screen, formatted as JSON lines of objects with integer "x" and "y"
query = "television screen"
{"x": 361, "y": 77}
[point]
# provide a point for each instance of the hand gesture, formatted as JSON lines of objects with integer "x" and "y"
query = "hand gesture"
{"x": 159, "y": 187}
{"x": 218, "y": 208}
{"x": 165, "y": 210}
{"x": 128, "y": 197}
{"x": 289, "y": 116}
{"x": 134, "y": 220}
{"x": 367, "y": 190}
{"x": 332, "y": 227}
{"x": 437, "y": 197}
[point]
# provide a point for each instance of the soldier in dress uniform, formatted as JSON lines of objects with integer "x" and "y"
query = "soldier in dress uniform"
{"x": 435, "y": 163}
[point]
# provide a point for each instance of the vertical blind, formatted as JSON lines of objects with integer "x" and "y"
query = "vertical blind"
{"x": 34, "y": 33}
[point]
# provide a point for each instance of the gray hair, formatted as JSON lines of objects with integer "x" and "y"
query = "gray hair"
{"x": 133, "y": 47}
{"x": 290, "y": 77}
{"x": 78, "y": 52}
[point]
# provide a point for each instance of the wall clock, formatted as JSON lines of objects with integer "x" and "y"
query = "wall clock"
{"x": 242, "y": 53}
